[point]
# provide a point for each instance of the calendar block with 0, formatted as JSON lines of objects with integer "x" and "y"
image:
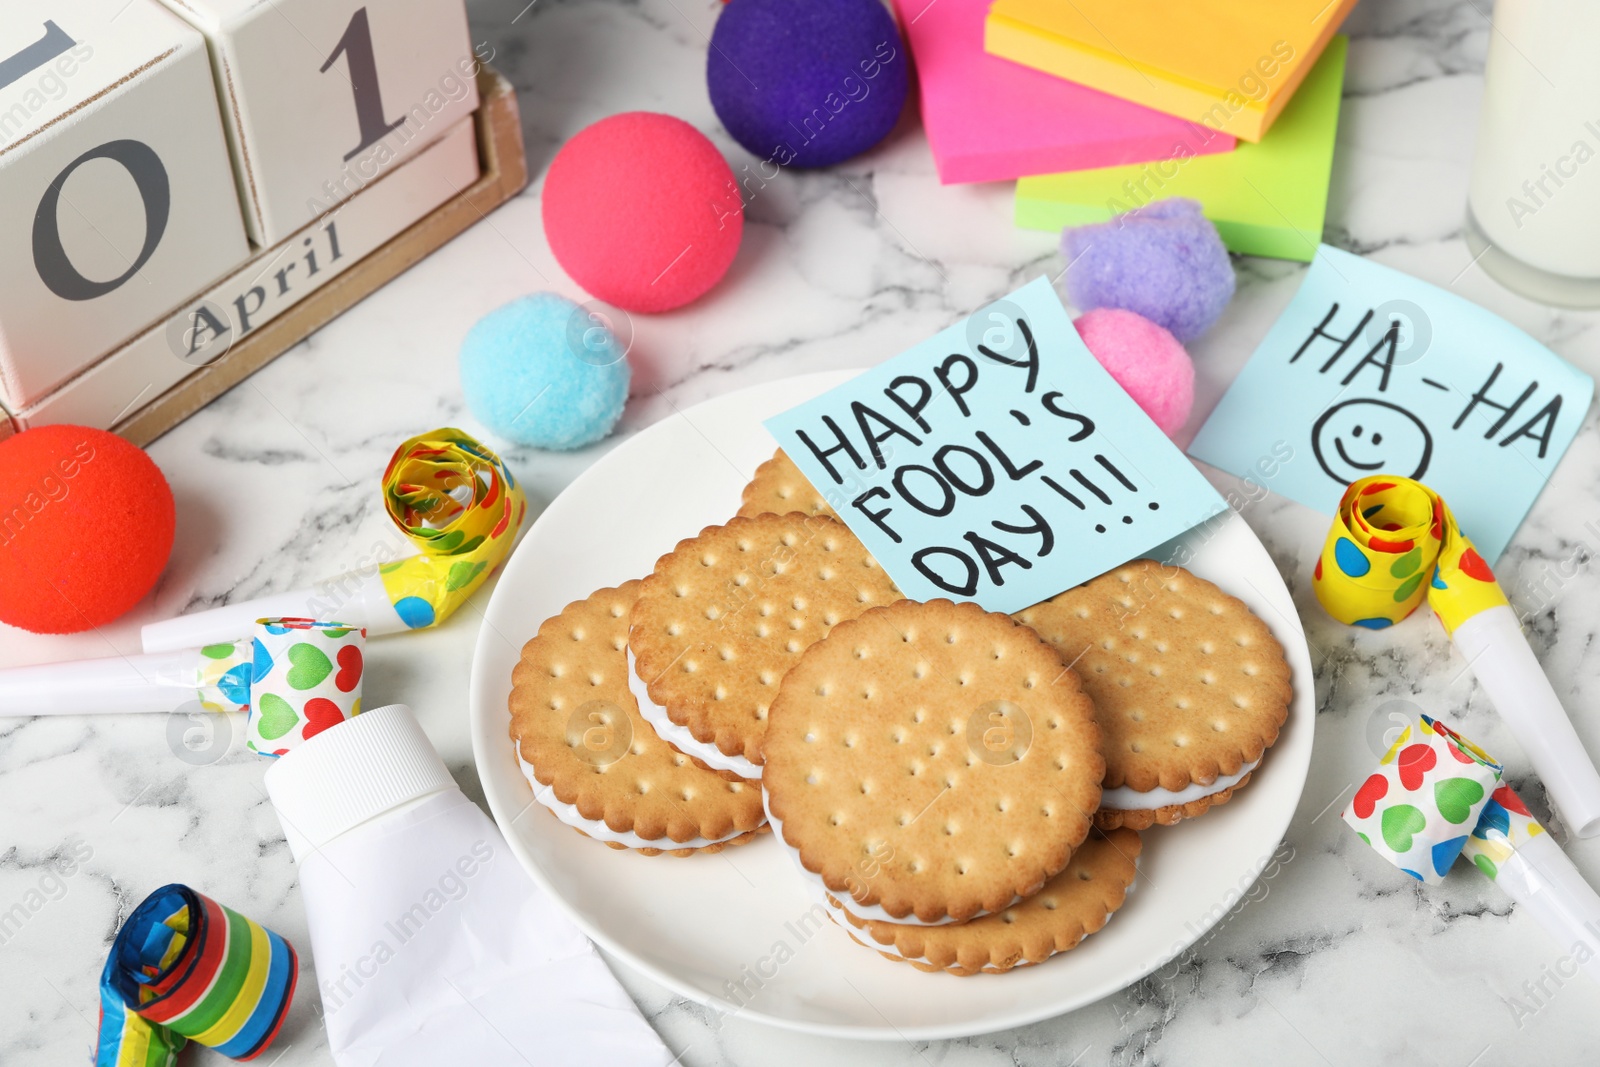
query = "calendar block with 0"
{"x": 115, "y": 177}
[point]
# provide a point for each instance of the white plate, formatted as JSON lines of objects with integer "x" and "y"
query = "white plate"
{"x": 725, "y": 930}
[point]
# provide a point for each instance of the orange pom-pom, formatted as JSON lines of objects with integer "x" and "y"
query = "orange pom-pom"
{"x": 86, "y": 526}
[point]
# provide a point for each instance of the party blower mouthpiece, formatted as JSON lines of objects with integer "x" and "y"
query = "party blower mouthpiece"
{"x": 1436, "y": 796}
{"x": 214, "y": 678}
{"x": 1393, "y": 544}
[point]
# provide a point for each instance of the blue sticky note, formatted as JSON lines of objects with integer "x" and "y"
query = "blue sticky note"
{"x": 1371, "y": 371}
{"x": 997, "y": 461}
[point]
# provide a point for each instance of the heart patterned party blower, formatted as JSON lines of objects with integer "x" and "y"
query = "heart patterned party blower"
{"x": 453, "y": 501}
{"x": 305, "y": 677}
{"x": 1436, "y": 795}
{"x": 182, "y": 968}
{"x": 1393, "y": 544}
{"x": 296, "y": 678}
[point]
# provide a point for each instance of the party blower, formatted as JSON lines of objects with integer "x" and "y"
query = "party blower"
{"x": 185, "y": 968}
{"x": 1395, "y": 542}
{"x": 451, "y": 498}
{"x": 293, "y": 672}
{"x": 1415, "y": 810}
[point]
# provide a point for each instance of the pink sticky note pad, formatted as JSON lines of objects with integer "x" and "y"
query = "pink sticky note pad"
{"x": 989, "y": 119}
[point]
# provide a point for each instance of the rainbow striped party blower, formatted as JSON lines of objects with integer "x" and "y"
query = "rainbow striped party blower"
{"x": 184, "y": 968}
{"x": 456, "y": 505}
{"x": 1435, "y": 796}
{"x": 1394, "y": 544}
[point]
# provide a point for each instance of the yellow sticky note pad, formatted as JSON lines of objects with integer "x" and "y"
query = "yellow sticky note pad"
{"x": 1265, "y": 199}
{"x": 1232, "y": 65}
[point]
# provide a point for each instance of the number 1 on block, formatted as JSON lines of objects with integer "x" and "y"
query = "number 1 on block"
{"x": 324, "y": 97}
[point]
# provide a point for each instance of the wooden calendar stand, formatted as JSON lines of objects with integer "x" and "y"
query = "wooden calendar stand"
{"x": 504, "y": 171}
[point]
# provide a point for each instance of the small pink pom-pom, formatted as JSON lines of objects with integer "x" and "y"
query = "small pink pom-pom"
{"x": 1146, "y": 360}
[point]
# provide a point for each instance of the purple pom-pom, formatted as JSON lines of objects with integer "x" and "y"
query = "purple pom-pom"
{"x": 807, "y": 83}
{"x": 1163, "y": 261}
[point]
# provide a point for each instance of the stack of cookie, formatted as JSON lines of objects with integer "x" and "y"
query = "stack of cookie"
{"x": 1190, "y": 687}
{"x": 962, "y": 789}
{"x": 935, "y": 771}
{"x": 639, "y": 712}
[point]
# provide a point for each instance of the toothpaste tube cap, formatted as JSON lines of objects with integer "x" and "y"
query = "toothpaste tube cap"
{"x": 353, "y": 772}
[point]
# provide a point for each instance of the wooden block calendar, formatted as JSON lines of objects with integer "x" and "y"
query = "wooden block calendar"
{"x": 333, "y": 214}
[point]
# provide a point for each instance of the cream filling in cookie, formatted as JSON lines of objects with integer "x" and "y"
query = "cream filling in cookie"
{"x": 820, "y": 889}
{"x": 596, "y": 828}
{"x": 679, "y": 737}
{"x": 1124, "y": 799}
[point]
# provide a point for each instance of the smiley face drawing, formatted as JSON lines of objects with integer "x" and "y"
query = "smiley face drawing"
{"x": 1360, "y": 437}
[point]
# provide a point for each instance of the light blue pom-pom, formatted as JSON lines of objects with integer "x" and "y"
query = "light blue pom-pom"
{"x": 543, "y": 371}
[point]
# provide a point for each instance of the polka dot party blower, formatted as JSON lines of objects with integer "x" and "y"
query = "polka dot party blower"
{"x": 1393, "y": 544}
{"x": 184, "y": 968}
{"x": 455, "y": 503}
{"x": 1436, "y": 796}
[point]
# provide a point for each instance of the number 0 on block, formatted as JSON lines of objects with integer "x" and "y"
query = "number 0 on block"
{"x": 116, "y": 181}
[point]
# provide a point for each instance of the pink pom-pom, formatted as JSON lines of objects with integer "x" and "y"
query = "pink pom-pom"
{"x": 1146, "y": 360}
{"x": 642, "y": 211}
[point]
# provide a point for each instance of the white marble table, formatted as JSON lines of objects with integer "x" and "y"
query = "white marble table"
{"x": 1333, "y": 959}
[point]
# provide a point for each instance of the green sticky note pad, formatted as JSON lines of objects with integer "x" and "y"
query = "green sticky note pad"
{"x": 1266, "y": 199}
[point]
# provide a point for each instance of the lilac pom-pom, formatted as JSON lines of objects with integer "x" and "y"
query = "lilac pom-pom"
{"x": 1163, "y": 261}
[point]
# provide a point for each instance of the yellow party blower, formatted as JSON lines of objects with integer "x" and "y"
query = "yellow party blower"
{"x": 454, "y": 504}
{"x": 1394, "y": 543}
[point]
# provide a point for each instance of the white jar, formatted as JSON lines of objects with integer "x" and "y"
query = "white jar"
{"x": 1534, "y": 201}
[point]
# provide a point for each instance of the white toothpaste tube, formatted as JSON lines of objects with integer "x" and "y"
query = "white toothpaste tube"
{"x": 431, "y": 944}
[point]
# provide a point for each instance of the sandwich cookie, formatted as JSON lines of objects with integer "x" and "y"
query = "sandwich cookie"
{"x": 778, "y": 488}
{"x": 727, "y": 613}
{"x": 1190, "y": 687}
{"x": 1074, "y": 904}
{"x": 819, "y": 890}
{"x": 595, "y": 763}
{"x": 933, "y": 760}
